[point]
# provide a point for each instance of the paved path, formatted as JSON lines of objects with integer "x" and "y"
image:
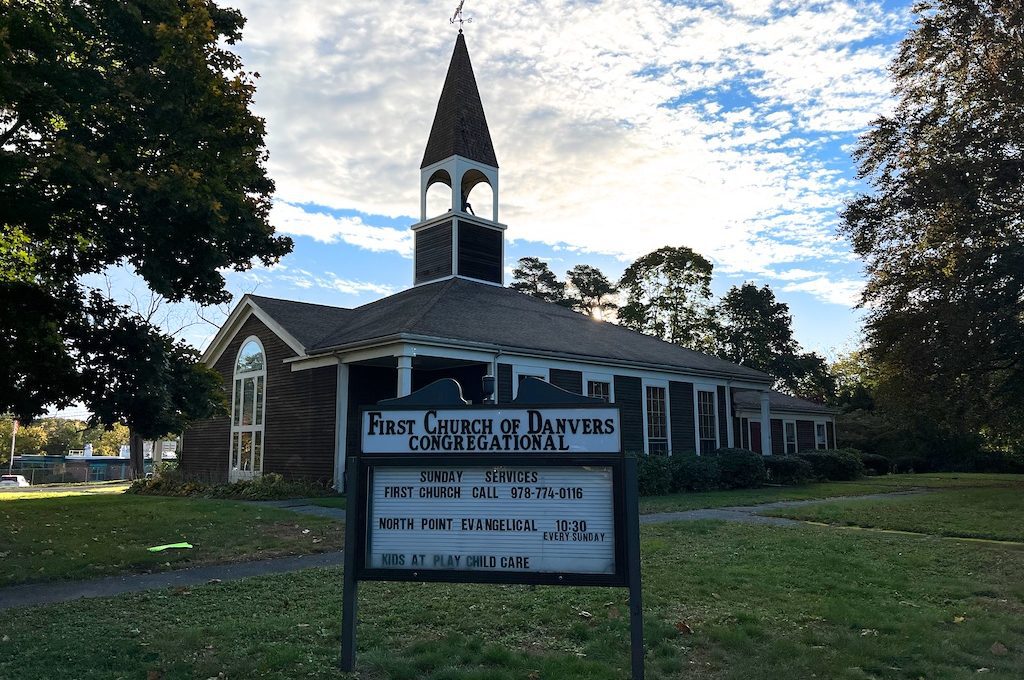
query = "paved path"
{"x": 49, "y": 593}
{"x": 751, "y": 514}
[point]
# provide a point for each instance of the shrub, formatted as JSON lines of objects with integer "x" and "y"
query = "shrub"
{"x": 911, "y": 464}
{"x": 271, "y": 486}
{"x": 694, "y": 473}
{"x": 788, "y": 469}
{"x": 654, "y": 475}
{"x": 879, "y": 465}
{"x": 740, "y": 468}
{"x": 836, "y": 464}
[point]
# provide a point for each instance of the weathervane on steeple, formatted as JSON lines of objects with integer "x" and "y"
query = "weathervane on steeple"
{"x": 458, "y": 16}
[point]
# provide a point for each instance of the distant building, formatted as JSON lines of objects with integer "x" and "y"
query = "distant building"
{"x": 297, "y": 373}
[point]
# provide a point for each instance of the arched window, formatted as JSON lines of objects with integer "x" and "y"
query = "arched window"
{"x": 247, "y": 408}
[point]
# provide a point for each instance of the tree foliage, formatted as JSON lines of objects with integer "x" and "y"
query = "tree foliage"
{"x": 534, "y": 277}
{"x": 941, "y": 229}
{"x": 125, "y": 139}
{"x": 667, "y": 295}
{"x": 589, "y": 291}
{"x": 755, "y": 330}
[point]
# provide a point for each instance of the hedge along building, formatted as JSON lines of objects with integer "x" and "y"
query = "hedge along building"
{"x": 297, "y": 373}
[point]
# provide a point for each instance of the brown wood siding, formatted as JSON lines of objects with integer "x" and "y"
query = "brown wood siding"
{"x": 680, "y": 402}
{"x": 723, "y": 422}
{"x": 628, "y": 394}
{"x": 778, "y": 438}
{"x": 805, "y": 435}
{"x": 434, "y": 252}
{"x": 298, "y": 417}
{"x": 504, "y": 380}
{"x": 830, "y": 432}
{"x": 567, "y": 380}
{"x": 479, "y": 252}
{"x": 366, "y": 386}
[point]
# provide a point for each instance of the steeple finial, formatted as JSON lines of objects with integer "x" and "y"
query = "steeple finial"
{"x": 459, "y": 17}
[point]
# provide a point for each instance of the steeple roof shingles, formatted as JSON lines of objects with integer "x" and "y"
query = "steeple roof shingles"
{"x": 460, "y": 127}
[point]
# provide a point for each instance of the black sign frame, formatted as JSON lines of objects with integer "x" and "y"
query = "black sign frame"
{"x": 625, "y": 520}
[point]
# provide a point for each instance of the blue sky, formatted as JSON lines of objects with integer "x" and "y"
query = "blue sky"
{"x": 619, "y": 126}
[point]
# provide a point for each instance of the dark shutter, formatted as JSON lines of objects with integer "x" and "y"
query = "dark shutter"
{"x": 479, "y": 252}
{"x": 680, "y": 401}
{"x": 434, "y": 252}
{"x": 723, "y": 422}
{"x": 778, "y": 437}
{"x": 805, "y": 435}
{"x": 628, "y": 396}
{"x": 504, "y": 383}
{"x": 830, "y": 431}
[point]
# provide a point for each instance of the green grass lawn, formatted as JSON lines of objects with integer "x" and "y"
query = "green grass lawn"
{"x": 868, "y": 485}
{"x": 88, "y": 536}
{"x": 994, "y": 513}
{"x": 62, "y": 490}
{"x": 722, "y": 601}
{"x": 329, "y": 502}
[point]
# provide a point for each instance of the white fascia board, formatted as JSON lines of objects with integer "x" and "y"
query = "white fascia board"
{"x": 239, "y": 315}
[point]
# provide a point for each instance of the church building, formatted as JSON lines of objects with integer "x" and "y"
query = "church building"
{"x": 296, "y": 373}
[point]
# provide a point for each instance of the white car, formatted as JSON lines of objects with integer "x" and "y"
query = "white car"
{"x": 12, "y": 481}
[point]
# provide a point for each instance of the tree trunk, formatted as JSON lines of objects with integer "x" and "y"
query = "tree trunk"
{"x": 135, "y": 449}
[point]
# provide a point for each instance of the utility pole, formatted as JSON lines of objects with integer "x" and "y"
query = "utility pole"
{"x": 14, "y": 433}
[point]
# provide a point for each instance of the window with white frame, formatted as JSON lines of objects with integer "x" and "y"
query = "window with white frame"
{"x": 820, "y": 436}
{"x": 707, "y": 421}
{"x": 247, "y": 408}
{"x": 600, "y": 386}
{"x": 656, "y": 418}
{"x": 520, "y": 373}
{"x": 789, "y": 429}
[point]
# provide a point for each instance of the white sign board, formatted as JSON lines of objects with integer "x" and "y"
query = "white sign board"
{"x": 476, "y": 518}
{"x": 498, "y": 430}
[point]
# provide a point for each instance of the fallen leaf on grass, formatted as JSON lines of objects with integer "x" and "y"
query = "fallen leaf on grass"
{"x": 614, "y": 613}
{"x": 586, "y": 615}
{"x": 684, "y": 628}
{"x": 984, "y": 670}
{"x": 305, "y": 531}
{"x": 534, "y": 675}
{"x": 214, "y": 580}
{"x": 182, "y": 590}
{"x": 154, "y": 675}
{"x": 998, "y": 648}
{"x": 868, "y": 631}
{"x": 959, "y": 619}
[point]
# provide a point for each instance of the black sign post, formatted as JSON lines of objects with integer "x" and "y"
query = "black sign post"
{"x": 525, "y": 463}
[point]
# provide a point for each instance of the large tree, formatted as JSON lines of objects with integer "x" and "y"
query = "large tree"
{"x": 125, "y": 139}
{"x": 534, "y": 277}
{"x": 756, "y": 330}
{"x": 589, "y": 291}
{"x": 668, "y": 295}
{"x": 941, "y": 228}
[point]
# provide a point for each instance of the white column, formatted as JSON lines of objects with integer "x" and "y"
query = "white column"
{"x": 730, "y": 435}
{"x": 766, "y": 426}
{"x": 404, "y": 375}
{"x": 341, "y": 428}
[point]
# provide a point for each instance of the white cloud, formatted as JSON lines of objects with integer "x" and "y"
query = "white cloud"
{"x": 840, "y": 292}
{"x": 620, "y": 126}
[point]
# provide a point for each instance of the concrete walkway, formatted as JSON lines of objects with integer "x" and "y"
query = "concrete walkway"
{"x": 49, "y": 593}
{"x": 751, "y": 514}
{"x": 62, "y": 591}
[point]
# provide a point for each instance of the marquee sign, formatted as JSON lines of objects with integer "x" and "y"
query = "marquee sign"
{"x": 497, "y": 430}
{"x": 537, "y": 494}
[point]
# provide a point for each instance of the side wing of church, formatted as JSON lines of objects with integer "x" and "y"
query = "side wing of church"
{"x": 296, "y": 374}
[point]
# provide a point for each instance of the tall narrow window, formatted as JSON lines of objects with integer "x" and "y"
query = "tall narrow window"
{"x": 247, "y": 410}
{"x": 707, "y": 421}
{"x": 657, "y": 419}
{"x": 820, "y": 438}
{"x": 790, "y": 430}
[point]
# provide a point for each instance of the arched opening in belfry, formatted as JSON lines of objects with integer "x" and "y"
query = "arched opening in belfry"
{"x": 478, "y": 195}
{"x": 439, "y": 194}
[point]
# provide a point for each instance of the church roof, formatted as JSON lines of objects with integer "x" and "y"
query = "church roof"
{"x": 460, "y": 127}
{"x": 778, "y": 401}
{"x": 478, "y": 313}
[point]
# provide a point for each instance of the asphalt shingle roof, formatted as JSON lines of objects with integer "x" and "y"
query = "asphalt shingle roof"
{"x": 461, "y": 310}
{"x": 460, "y": 127}
{"x": 751, "y": 399}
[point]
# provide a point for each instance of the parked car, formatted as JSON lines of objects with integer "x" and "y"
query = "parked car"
{"x": 12, "y": 481}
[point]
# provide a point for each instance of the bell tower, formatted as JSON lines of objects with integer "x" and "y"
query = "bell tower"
{"x": 459, "y": 154}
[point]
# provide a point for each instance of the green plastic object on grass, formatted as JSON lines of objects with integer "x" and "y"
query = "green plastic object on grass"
{"x": 159, "y": 548}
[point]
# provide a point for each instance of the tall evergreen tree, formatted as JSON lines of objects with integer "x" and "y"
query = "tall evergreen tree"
{"x": 942, "y": 228}
{"x": 668, "y": 295}
{"x": 534, "y": 277}
{"x": 589, "y": 290}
